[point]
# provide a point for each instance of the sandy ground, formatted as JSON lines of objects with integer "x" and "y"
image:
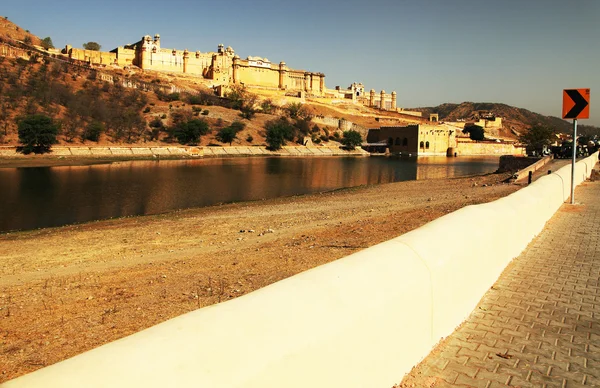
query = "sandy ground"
{"x": 67, "y": 290}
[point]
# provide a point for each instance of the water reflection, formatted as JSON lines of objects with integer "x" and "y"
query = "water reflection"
{"x": 42, "y": 197}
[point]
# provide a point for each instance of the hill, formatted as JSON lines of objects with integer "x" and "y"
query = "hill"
{"x": 515, "y": 119}
{"x": 129, "y": 106}
{"x": 10, "y": 31}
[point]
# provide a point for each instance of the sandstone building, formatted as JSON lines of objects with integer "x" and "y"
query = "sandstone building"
{"x": 417, "y": 139}
{"x": 434, "y": 139}
{"x": 222, "y": 66}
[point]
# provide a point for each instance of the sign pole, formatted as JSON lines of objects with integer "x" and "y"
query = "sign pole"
{"x": 573, "y": 161}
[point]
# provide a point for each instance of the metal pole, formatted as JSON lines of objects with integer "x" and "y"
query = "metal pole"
{"x": 573, "y": 161}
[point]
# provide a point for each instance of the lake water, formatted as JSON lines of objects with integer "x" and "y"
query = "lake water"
{"x": 32, "y": 198}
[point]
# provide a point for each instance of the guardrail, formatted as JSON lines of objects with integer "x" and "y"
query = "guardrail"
{"x": 361, "y": 321}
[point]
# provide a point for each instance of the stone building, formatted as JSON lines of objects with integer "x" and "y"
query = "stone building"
{"x": 222, "y": 66}
{"x": 417, "y": 139}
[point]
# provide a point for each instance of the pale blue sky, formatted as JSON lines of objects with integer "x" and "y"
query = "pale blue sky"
{"x": 518, "y": 52}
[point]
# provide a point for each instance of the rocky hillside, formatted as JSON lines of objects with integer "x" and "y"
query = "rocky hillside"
{"x": 11, "y": 31}
{"x": 517, "y": 119}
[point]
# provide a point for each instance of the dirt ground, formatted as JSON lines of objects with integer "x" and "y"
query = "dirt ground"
{"x": 67, "y": 290}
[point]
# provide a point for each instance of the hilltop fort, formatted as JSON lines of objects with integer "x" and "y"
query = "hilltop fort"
{"x": 224, "y": 67}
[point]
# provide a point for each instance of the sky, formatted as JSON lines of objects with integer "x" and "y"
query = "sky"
{"x": 518, "y": 52}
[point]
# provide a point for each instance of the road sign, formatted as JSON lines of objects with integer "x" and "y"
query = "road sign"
{"x": 576, "y": 104}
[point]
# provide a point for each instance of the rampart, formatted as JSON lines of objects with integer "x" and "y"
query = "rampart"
{"x": 175, "y": 152}
{"x": 470, "y": 147}
{"x": 361, "y": 321}
{"x": 222, "y": 66}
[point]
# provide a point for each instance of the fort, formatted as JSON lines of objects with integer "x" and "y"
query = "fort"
{"x": 223, "y": 66}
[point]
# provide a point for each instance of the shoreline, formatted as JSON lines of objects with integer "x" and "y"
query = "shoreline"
{"x": 73, "y": 156}
{"x": 68, "y": 289}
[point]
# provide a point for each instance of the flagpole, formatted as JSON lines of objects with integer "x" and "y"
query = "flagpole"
{"x": 573, "y": 161}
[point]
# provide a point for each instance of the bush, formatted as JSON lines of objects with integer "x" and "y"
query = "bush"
{"x": 195, "y": 100}
{"x": 93, "y": 131}
{"x": 147, "y": 109}
{"x": 351, "y": 139}
{"x": 156, "y": 123}
{"x": 249, "y": 139}
{"x": 316, "y": 129}
{"x": 162, "y": 96}
{"x": 295, "y": 110}
{"x": 238, "y": 126}
{"x": 267, "y": 106}
{"x": 37, "y": 133}
{"x": 205, "y": 112}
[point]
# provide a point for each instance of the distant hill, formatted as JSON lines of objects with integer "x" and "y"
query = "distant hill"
{"x": 517, "y": 119}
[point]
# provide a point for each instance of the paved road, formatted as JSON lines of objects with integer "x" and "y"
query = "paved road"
{"x": 539, "y": 325}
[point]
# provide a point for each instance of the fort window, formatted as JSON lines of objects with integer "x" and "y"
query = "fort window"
{"x": 421, "y": 145}
{"x": 390, "y": 141}
{"x": 397, "y": 141}
{"x": 427, "y": 145}
{"x": 405, "y": 142}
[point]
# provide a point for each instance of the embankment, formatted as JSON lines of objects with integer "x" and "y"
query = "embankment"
{"x": 363, "y": 320}
{"x": 132, "y": 153}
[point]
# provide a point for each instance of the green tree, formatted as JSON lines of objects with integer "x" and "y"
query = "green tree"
{"x": 47, "y": 43}
{"x": 37, "y": 133}
{"x": 189, "y": 132}
{"x": 537, "y": 136}
{"x": 278, "y": 132}
{"x": 93, "y": 46}
{"x": 351, "y": 139}
{"x": 227, "y": 135}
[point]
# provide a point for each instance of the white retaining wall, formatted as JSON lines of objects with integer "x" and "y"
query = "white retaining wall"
{"x": 361, "y": 321}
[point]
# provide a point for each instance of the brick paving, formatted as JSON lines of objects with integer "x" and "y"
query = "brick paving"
{"x": 539, "y": 325}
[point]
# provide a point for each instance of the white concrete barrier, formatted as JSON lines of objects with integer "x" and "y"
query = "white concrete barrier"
{"x": 361, "y": 321}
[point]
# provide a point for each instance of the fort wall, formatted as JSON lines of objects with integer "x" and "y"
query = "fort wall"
{"x": 470, "y": 147}
{"x": 91, "y": 56}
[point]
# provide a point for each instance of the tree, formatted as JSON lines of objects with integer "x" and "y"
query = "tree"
{"x": 47, "y": 43}
{"x": 93, "y": 46}
{"x": 295, "y": 110}
{"x": 278, "y": 132}
{"x": 37, "y": 133}
{"x": 227, "y": 135}
{"x": 476, "y": 132}
{"x": 189, "y": 132}
{"x": 93, "y": 131}
{"x": 537, "y": 136}
{"x": 351, "y": 139}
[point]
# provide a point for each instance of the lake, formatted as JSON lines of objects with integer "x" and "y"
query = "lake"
{"x": 40, "y": 197}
